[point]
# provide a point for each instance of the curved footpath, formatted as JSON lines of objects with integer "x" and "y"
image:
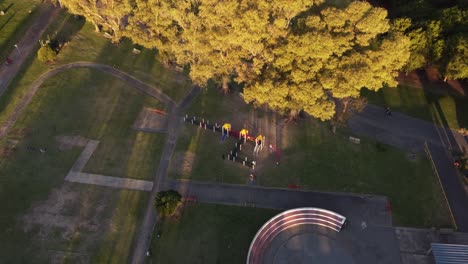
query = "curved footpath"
{"x": 139, "y": 85}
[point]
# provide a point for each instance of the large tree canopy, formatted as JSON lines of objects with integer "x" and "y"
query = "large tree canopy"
{"x": 330, "y": 55}
{"x": 111, "y": 14}
{"x": 291, "y": 55}
{"x": 436, "y": 39}
{"x": 457, "y": 65}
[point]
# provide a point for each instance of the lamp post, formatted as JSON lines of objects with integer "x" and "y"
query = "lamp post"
{"x": 19, "y": 51}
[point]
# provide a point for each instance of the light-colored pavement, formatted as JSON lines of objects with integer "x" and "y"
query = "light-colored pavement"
{"x": 109, "y": 181}
{"x": 85, "y": 155}
{"x": 76, "y": 175}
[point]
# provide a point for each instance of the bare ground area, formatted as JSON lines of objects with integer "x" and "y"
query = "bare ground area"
{"x": 150, "y": 119}
{"x": 72, "y": 220}
{"x": 182, "y": 163}
{"x": 68, "y": 142}
{"x": 431, "y": 79}
{"x": 69, "y": 214}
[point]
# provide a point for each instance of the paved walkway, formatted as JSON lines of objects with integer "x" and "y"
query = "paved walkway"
{"x": 109, "y": 181}
{"x": 151, "y": 121}
{"x": 149, "y": 221}
{"x": 403, "y": 131}
{"x": 76, "y": 175}
{"x": 26, "y": 99}
{"x": 47, "y": 13}
{"x": 410, "y": 133}
{"x": 85, "y": 155}
{"x": 357, "y": 208}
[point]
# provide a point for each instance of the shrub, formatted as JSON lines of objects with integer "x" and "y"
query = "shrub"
{"x": 46, "y": 54}
{"x": 166, "y": 202}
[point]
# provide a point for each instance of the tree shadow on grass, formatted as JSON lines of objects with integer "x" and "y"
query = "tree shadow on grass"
{"x": 7, "y": 8}
{"x": 8, "y": 20}
{"x": 69, "y": 28}
{"x": 441, "y": 113}
{"x": 66, "y": 30}
{"x": 19, "y": 31}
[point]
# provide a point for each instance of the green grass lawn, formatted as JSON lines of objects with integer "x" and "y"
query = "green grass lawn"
{"x": 445, "y": 110}
{"x": 208, "y": 234}
{"x": 93, "y": 105}
{"x": 18, "y": 17}
{"x": 87, "y": 45}
{"x": 198, "y": 157}
{"x": 90, "y": 104}
{"x": 318, "y": 160}
{"x": 117, "y": 244}
{"x": 315, "y": 159}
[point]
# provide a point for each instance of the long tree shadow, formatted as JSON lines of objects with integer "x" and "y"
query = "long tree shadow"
{"x": 67, "y": 30}
{"x": 462, "y": 106}
{"x": 8, "y": 20}
{"x": 431, "y": 79}
{"x": 69, "y": 27}
{"x": 440, "y": 118}
{"x": 7, "y": 46}
{"x": 7, "y": 8}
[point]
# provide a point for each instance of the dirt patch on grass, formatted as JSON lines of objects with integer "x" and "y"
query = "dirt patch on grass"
{"x": 431, "y": 79}
{"x": 182, "y": 163}
{"x": 71, "y": 220}
{"x": 59, "y": 257}
{"x": 69, "y": 142}
{"x": 413, "y": 157}
{"x": 8, "y": 147}
{"x": 66, "y": 209}
{"x": 151, "y": 119}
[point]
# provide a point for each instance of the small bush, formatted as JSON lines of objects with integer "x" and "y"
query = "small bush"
{"x": 167, "y": 202}
{"x": 46, "y": 54}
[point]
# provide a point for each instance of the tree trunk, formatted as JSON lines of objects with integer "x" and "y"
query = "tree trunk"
{"x": 345, "y": 108}
{"x": 225, "y": 86}
{"x": 293, "y": 115}
{"x": 96, "y": 26}
{"x": 165, "y": 61}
